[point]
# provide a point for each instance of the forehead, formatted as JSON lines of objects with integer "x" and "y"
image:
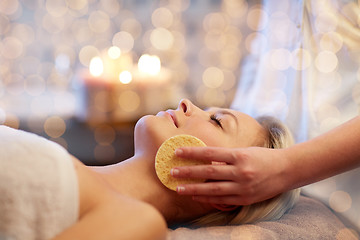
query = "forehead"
{"x": 245, "y": 129}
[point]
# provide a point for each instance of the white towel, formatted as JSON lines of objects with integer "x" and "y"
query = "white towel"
{"x": 38, "y": 187}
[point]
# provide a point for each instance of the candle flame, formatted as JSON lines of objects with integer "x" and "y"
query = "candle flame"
{"x": 125, "y": 77}
{"x": 96, "y": 66}
{"x": 149, "y": 64}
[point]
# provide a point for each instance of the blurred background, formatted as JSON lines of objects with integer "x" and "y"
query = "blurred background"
{"x": 81, "y": 72}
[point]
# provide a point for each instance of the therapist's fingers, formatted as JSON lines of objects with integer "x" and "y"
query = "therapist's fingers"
{"x": 208, "y": 188}
{"x": 210, "y": 172}
{"x": 228, "y": 199}
{"x": 210, "y": 154}
{"x": 216, "y": 193}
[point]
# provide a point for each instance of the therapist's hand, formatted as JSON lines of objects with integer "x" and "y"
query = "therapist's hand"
{"x": 244, "y": 175}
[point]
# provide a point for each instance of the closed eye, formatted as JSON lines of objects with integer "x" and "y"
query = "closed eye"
{"x": 217, "y": 120}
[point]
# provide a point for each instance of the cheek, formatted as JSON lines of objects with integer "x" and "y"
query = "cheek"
{"x": 150, "y": 132}
{"x": 211, "y": 136}
{"x": 215, "y": 140}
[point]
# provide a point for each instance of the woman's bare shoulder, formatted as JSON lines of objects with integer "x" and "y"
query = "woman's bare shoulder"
{"x": 105, "y": 214}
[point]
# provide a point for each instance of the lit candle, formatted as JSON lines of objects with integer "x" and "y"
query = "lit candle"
{"x": 96, "y": 67}
{"x": 149, "y": 64}
{"x": 114, "y": 90}
{"x": 150, "y": 72}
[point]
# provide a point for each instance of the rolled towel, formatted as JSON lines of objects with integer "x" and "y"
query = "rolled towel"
{"x": 38, "y": 187}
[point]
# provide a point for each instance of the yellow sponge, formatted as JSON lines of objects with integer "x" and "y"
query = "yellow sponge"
{"x": 166, "y": 160}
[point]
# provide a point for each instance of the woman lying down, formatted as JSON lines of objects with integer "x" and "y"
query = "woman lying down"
{"x": 45, "y": 193}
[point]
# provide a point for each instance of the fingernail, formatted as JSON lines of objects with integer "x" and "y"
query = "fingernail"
{"x": 178, "y": 151}
{"x": 180, "y": 189}
{"x": 174, "y": 172}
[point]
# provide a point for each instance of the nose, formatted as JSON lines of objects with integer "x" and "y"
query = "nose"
{"x": 186, "y": 106}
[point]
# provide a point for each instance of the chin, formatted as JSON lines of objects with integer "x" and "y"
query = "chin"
{"x": 149, "y": 134}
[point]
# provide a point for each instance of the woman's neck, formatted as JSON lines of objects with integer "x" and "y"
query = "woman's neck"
{"x": 136, "y": 178}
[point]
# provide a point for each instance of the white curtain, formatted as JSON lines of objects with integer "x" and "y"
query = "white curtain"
{"x": 303, "y": 67}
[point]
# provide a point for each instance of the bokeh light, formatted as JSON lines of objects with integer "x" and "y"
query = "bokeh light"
{"x": 162, "y": 18}
{"x": 104, "y": 135}
{"x": 331, "y": 41}
{"x": 149, "y": 64}
{"x": 281, "y": 59}
{"x": 87, "y": 53}
{"x": 326, "y": 62}
{"x": 77, "y": 4}
{"x": 114, "y": 52}
{"x": 132, "y": 26}
{"x": 162, "y": 39}
{"x": 325, "y": 22}
{"x": 253, "y": 40}
{"x": 12, "y": 48}
{"x": 125, "y": 77}
{"x": 53, "y": 25}
{"x": 215, "y": 22}
{"x": 99, "y": 22}
{"x": 257, "y": 18}
{"x": 213, "y": 77}
{"x": 45, "y": 48}
{"x": 34, "y": 85}
{"x": 9, "y": 7}
{"x": 129, "y": 101}
{"x": 56, "y": 8}
{"x": 301, "y": 59}
{"x": 96, "y": 66}
{"x": 340, "y": 201}
{"x": 124, "y": 41}
{"x": 54, "y": 126}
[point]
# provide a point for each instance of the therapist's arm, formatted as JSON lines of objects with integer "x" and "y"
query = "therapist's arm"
{"x": 259, "y": 173}
{"x": 330, "y": 154}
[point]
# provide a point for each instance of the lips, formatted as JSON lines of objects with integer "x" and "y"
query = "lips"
{"x": 173, "y": 117}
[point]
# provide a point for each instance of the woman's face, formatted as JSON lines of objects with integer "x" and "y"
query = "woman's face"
{"x": 215, "y": 127}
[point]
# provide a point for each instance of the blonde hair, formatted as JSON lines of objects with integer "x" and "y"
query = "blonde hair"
{"x": 278, "y": 136}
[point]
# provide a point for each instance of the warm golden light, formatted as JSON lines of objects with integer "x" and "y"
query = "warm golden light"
{"x": 114, "y": 52}
{"x": 96, "y": 66}
{"x": 149, "y": 64}
{"x": 125, "y": 77}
